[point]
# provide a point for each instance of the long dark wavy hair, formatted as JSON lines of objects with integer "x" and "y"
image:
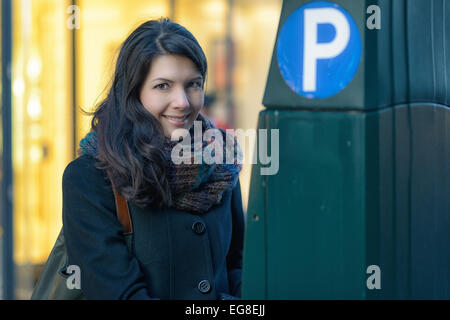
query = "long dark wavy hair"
{"x": 130, "y": 140}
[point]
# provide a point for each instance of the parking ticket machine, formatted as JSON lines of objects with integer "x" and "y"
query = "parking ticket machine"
{"x": 359, "y": 207}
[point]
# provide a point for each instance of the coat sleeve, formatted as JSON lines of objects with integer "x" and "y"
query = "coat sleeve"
{"x": 234, "y": 257}
{"x": 94, "y": 239}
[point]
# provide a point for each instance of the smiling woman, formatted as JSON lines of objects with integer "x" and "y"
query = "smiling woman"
{"x": 177, "y": 210}
{"x": 173, "y": 92}
{"x": 153, "y": 87}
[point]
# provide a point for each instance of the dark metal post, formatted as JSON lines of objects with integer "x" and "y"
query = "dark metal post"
{"x": 74, "y": 90}
{"x": 7, "y": 181}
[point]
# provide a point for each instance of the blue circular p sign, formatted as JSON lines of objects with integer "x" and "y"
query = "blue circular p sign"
{"x": 319, "y": 49}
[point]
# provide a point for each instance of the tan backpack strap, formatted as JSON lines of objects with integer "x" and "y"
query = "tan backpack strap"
{"x": 123, "y": 212}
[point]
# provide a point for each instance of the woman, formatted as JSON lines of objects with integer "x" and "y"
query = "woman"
{"x": 187, "y": 218}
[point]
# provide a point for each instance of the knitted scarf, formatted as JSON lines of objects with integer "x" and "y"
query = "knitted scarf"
{"x": 195, "y": 187}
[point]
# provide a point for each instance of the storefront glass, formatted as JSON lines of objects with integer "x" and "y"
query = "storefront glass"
{"x": 41, "y": 133}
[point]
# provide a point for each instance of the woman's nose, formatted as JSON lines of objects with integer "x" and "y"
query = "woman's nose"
{"x": 180, "y": 100}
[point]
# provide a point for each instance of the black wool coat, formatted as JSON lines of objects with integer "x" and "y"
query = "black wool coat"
{"x": 175, "y": 254}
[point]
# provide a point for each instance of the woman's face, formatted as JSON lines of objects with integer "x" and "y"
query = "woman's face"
{"x": 173, "y": 92}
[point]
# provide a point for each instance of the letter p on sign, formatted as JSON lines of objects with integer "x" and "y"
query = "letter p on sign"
{"x": 313, "y": 50}
{"x": 319, "y": 50}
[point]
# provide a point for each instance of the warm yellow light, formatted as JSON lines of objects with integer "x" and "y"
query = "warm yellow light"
{"x": 267, "y": 14}
{"x": 34, "y": 107}
{"x": 35, "y": 153}
{"x": 156, "y": 10}
{"x": 18, "y": 87}
{"x": 34, "y": 67}
{"x": 215, "y": 8}
{"x": 36, "y": 131}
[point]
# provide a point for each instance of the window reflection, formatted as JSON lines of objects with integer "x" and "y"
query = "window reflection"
{"x": 41, "y": 131}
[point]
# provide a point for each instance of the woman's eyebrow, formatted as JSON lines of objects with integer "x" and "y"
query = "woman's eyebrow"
{"x": 168, "y": 80}
{"x": 162, "y": 79}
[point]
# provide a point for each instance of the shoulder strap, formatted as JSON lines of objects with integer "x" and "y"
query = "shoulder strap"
{"x": 122, "y": 210}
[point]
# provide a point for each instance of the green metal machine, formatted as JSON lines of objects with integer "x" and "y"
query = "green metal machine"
{"x": 359, "y": 208}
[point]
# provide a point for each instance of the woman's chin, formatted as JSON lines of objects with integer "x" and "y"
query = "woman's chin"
{"x": 175, "y": 134}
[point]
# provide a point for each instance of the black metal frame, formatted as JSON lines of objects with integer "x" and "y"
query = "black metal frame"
{"x": 6, "y": 155}
{"x": 74, "y": 89}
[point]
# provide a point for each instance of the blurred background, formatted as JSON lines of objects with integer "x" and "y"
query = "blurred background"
{"x": 58, "y": 57}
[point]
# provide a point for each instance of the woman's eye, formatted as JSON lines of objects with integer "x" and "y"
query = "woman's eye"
{"x": 162, "y": 86}
{"x": 196, "y": 84}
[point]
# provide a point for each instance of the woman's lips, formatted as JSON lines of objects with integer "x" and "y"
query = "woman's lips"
{"x": 177, "y": 121}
